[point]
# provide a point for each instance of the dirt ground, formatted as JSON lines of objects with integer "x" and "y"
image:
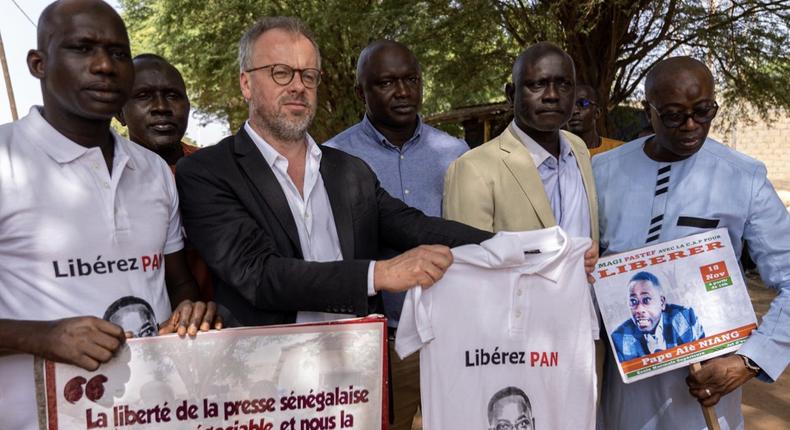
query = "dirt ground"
{"x": 765, "y": 406}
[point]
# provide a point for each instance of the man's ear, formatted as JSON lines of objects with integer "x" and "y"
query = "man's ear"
{"x": 244, "y": 83}
{"x": 510, "y": 93}
{"x": 120, "y": 118}
{"x": 360, "y": 94}
{"x": 647, "y": 109}
{"x": 663, "y": 303}
{"x": 35, "y": 63}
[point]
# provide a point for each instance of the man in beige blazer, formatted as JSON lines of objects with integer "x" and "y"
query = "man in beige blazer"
{"x": 533, "y": 175}
{"x": 496, "y": 186}
{"x": 506, "y": 184}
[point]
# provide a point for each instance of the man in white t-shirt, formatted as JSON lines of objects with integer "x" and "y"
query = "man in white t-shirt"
{"x": 87, "y": 217}
{"x": 490, "y": 327}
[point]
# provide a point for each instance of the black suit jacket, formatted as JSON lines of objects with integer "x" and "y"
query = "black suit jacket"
{"x": 237, "y": 216}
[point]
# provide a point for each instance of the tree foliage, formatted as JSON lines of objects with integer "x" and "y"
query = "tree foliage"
{"x": 201, "y": 38}
{"x": 467, "y": 47}
{"x": 614, "y": 43}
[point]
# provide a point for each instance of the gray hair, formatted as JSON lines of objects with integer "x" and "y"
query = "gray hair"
{"x": 286, "y": 23}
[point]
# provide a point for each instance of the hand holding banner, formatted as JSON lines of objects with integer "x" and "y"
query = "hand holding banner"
{"x": 294, "y": 377}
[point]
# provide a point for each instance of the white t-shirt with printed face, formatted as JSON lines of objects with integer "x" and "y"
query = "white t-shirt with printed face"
{"x": 505, "y": 336}
{"x": 75, "y": 240}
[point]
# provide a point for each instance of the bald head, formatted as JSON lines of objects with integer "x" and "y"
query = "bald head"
{"x": 586, "y": 111}
{"x": 587, "y": 91}
{"x": 389, "y": 82}
{"x": 152, "y": 61}
{"x": 536, "y": 52}
{"x": 157, "y": 114}
{"x": 381, "y": 49}
{"x": 52, "y": 17}
{"x": 84, "y": 64}
{"x": 542, "y": 93}
{"x": 681, "y": 104}
{"x": 670, "y": 71}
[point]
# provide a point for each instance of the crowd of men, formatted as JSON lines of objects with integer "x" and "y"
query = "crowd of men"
{"x": 282, "y": 229}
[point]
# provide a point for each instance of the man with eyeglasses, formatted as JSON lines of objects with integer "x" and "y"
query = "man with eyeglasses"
{"x": 410, "y": 159}
{"x": 655, "y": 325}
{"x": 586, "y": 111}
{"x": 678, "y": 183}
{"x": 510, "y": 409}
{"x": 290, "y": 229}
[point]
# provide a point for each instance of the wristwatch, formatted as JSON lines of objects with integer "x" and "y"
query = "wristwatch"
{"x": 750, "y": 364}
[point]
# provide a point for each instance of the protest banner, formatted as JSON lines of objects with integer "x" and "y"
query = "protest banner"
{"x": 290, "y": 377}
{"x": 669, "y": 305}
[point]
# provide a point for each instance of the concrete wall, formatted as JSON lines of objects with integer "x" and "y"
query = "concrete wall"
{"x": 767, "y": 142}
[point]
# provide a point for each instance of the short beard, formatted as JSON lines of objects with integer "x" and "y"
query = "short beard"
{"x": 281, "y": 127}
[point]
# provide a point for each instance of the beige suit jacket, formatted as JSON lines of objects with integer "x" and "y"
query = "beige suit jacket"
{"x": 496, "y": 187}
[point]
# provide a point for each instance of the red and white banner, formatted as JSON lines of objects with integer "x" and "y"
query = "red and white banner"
{"x": 291, "y": 377}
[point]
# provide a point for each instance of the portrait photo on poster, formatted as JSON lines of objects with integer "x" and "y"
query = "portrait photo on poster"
{"x": 672, "y": 304}
{"x": 655, "y": 324}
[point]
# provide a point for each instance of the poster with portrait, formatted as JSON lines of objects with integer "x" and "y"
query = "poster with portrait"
{"x": 291, "y": 377}
{"x": 672, "y": 304}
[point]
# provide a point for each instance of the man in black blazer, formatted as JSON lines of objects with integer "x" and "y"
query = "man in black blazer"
{"x": 290, "y": 230}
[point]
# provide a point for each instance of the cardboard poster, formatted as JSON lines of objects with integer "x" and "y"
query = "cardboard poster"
{"x": 672, "y": 304}
{"x": 290, "y": 377}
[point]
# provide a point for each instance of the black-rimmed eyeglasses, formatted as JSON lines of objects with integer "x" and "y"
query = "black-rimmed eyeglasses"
{"x": 701, "y": 115}
{"x": 283, "y": 74}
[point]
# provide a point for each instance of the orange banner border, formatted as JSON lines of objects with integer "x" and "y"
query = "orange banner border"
{"x": 636, "y": 364}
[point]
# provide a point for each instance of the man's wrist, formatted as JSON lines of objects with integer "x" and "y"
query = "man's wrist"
{"x": 18, "y": 336}
{"x": 750, "y": 364}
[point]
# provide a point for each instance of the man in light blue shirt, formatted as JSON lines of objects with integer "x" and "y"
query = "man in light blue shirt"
{"x": 674, "y": 184}
{"x": 410, "y": 159}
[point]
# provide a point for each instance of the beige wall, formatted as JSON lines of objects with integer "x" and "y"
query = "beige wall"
{"x": 767, "y": 142}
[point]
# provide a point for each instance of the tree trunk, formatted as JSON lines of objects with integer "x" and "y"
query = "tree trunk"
{"x": 594, "y": 39}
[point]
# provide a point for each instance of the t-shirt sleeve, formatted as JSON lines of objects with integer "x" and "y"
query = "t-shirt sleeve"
{"x": 414, "y": 328}
{"x": 175, "y": 234}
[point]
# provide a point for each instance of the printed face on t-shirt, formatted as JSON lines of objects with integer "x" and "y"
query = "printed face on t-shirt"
{"x": 511, "y": 413}
{"x": 137, "y": 319}
{"x": 646, "y": 305}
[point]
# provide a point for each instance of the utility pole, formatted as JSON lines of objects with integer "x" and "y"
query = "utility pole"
{"x": 7, "y": 76}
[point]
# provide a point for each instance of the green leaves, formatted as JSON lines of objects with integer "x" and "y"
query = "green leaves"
{"x": 467, "y": 47}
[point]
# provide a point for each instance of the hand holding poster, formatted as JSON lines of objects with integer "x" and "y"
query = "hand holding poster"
{"x": 668, "y": 305}
{"x": 295, "y": 377}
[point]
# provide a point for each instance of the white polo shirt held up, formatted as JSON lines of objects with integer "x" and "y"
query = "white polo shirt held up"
{"x": 507, "y": 328}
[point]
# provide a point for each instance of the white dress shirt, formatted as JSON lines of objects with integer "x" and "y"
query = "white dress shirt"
{"x": 311, "y": 211}
{"x": 562, "y": 181}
